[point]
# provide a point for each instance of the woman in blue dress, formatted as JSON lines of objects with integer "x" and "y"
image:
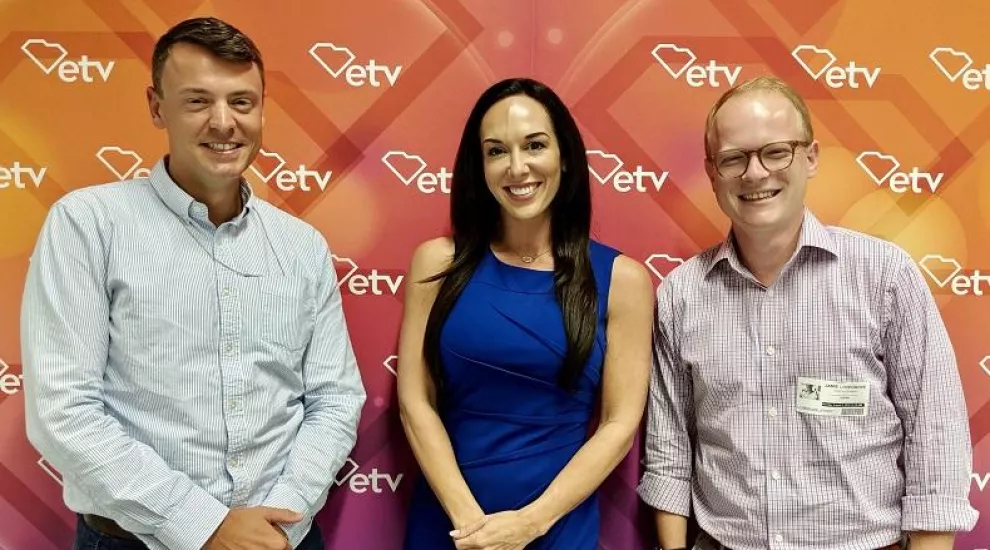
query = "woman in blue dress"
{"x": 515, "y": 330}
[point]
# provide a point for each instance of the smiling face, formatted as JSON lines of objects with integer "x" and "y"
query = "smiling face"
{"x": 759, "y": 200}
{"x": 521, "y": 157}
{"x": 212, "y": 112}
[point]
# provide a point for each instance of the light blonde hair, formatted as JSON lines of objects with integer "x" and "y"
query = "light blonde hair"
{"x": 759, "y": 84}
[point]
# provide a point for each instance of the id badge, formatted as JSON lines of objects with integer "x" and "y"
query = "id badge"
{"x": 827, "y": 398}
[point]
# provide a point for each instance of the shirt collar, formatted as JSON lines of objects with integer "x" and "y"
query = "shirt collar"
{"x": 186, "y": 207}
{"x": 813, "y": 234}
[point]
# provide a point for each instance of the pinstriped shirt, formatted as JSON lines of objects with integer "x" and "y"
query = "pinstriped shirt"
{"x": 174, "y": 369}
{"x": 725, "y": 439}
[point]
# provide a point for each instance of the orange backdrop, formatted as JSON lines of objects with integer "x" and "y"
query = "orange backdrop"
{"x": 366, "y": 102}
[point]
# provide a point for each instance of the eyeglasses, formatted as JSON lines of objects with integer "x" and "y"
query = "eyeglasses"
{"x": 774, "y": 157}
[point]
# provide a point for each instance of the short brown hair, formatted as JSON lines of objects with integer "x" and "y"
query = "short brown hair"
{"x": 760, "y": 84}
{"x": 218, "y": 37}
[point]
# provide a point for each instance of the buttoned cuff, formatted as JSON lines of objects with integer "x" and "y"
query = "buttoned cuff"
{"x": 666, "y": 493}
{"x": 282, "y": 496}
{"x": 937, "y": 513}
{"x": 193, "y": 523}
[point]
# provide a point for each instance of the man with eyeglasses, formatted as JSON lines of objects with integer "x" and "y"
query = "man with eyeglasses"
{"x": 878, "y": 455}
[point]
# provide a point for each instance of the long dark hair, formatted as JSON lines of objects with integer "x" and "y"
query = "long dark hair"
{"x": 476, "y": 221}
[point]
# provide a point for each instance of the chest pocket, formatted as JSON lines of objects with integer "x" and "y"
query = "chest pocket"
{"x": 281, "y": 319}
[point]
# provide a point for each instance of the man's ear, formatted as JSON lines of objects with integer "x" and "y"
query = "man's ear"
{"x": 812, "y": 154}
{"x": 710, "y": 171}
{"x": 155, "y": 107}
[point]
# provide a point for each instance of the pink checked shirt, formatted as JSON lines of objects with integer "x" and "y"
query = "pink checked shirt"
{"x": 726, "y": 441}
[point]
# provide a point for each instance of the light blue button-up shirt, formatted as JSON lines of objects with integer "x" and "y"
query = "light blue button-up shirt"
{"x": 174, "y": 370}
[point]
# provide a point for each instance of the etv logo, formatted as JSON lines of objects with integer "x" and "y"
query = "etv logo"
{"x": 16, "y": 175}
{"x": 50, "y": 470}
{"x": 981, "y": 480}
{"x": 359, "y": 284}
{"x": 409, "y": 168}
{"x": 358, "y": 483}
{"x": 696, "y": 76}
{"x": 882, "y": 169}
{"x": 390, "y": 363}
{"x": 947, "y": 271}
{"x": 821, "y": 61}
{"x": 607, "y": 169}
{"x": 38, "y": 49}
{"x": 123, "y": 163}
{"x": 338, "y": 60}
{"x": 10, "y": 383}
{"x": 955, "y": 64}
{"x": 662, "y": 264}
{"x": 288, "y": 180}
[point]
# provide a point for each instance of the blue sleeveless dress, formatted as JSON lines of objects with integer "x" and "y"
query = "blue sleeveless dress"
{"x": 512, "y": 427}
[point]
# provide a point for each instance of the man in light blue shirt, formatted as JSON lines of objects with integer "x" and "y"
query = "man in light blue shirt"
{"x": 187, "y": 364}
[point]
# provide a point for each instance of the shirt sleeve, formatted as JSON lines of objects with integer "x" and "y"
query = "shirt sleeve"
{"x": 64, "y": 344}
{"x": 334, "y": 396}
{"x": 666, "y": 482}
{"x": 927, "y": 394}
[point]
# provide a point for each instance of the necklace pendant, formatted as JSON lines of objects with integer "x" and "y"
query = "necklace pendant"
{"x": 527, "y": 259}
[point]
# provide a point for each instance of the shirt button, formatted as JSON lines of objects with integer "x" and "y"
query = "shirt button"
{"x": 232, "y": 405}
{"x": 225, "y": 293}
{"x": 775, "y": 474}
{"x": 235, "y": 462}
{"x": 778, "y": 537}
{"x": 772, "y": 411}
{"x": 229, "y": 348}
{"x": 771, "y": 350}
